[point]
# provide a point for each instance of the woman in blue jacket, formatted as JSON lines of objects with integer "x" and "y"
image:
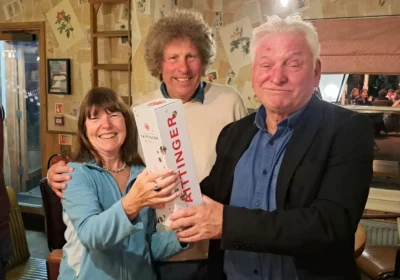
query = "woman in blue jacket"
{"x": 109, "y": 199}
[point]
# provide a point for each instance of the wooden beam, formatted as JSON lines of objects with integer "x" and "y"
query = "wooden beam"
{"x": 112, "y": 67}
{"x": 116, "y": 33}
{"x": 107, "y": 1}
{"x": 44, "y": 135}
{"x": 5, "y": 36}
{"x": 381, "y": 216}
{"x": 127, "y": 100}
{"x": 23, "y": 133}
{"x": 94, "y": 55}
{"x": 11, "y": 121}
{"x": 96, "y": 7}
{"x": 26, "y": 26}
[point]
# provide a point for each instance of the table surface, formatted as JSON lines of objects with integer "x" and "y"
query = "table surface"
{"x": 386, "y": 168}
{"x": 359, "y": 242}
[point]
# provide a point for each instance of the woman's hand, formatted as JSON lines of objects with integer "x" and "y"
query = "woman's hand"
{"x": 151, "y": 189}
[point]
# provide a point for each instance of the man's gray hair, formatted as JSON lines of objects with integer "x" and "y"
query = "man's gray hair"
{"x": 292, "y": 23}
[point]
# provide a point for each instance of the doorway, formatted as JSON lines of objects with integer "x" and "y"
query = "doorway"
{"x": 22, "y": 91}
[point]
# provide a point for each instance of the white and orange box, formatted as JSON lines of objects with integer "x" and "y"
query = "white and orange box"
{"x": 165, "y": 142}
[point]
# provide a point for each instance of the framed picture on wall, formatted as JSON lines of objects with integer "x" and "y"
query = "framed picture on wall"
{"x": 58, "y": 76}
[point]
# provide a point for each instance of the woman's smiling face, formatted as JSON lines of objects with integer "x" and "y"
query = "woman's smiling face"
{"x": 106, "y": 132}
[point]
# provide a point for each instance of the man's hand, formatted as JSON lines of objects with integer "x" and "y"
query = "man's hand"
{"x": 198, "y": 222}
{"x": 56, "y": 179}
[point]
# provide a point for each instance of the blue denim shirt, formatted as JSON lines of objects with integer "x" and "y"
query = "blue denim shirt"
{"x": 198, "y": 95}
{"x": 254, "y": 187}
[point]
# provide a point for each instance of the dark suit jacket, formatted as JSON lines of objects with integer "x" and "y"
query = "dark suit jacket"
{"x": 322, "y": 189}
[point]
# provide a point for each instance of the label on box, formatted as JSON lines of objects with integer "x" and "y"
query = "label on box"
{"x": 165, "y": 142}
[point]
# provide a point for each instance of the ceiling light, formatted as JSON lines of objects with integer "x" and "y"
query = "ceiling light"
{"x": 284, "y": 2}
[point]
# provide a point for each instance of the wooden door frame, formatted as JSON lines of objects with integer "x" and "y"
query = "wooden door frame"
{"x": 37, "y": 28}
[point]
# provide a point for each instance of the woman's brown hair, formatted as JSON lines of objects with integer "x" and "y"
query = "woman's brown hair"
{"x": 105, "y": 99}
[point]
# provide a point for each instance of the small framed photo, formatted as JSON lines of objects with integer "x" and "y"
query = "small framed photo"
{"x": 59, "y": 76}
{"x": 212, "y": 75}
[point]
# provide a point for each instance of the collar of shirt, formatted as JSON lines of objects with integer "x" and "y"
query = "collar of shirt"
{"x": 290, "y": 121}
{"x": 198, "y": 94}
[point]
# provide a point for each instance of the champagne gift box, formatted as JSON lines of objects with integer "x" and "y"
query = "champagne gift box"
{"x": 165, "y": 142}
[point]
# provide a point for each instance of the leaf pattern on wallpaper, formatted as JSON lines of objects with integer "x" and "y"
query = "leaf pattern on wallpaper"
{"x": 239, "y": 42}
{"x": 65, "y": 23}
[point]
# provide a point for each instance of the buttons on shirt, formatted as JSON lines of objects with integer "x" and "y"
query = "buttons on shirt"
{"x": 265, "y": 172}
{"x": 255, "y": 271}
{"x": 271, "y": 142}
{"x": 239, "y": 246}
{"x": 257, "y": 203}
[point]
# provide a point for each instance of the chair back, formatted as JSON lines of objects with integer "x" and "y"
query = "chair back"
{"x": 53, "y": 212}
{"x": 18, "y": 236}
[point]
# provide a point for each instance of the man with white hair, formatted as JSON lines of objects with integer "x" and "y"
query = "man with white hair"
{"x": 290, "y": 182}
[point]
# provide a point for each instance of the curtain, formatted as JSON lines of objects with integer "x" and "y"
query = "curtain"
{"x": 363, "y": 45}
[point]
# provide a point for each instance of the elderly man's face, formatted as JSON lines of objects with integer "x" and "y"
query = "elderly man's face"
{"x": 283, "y": 73}
{"x": 181, "y": 69}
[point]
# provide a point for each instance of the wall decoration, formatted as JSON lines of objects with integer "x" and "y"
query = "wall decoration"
{"x": 124, "y": 40}
{"x": 59, "y": 108}
{"x": 65, "y": 25}
{"x": 300, "y": 5}
{"x": 212, "y": 75}
{"x": 65, "y": 139}
{"x": 59, "y": 120}
{"x": 63, "y": 22}
{"x": 250, "y": 9}
{"x": 124, "y": 13}
{"x": 58, "y": 76}
{"x": 215, "y": 4}
{"x": 86, "y": 76}
{"x": 122, "y": 18}
{"x": 218, "y": 20}
{"x": 236, "y": 40}
{"x": 143, "y": 6}
{"x": 136, "y": 35}
{"x": 74, "y": 112}
{"x": 88, "y": 35}
{"x": 200, "y": 5}
{"x": 12, "y": 9}
{"x": 231, "y": 74}
{"x": 249, "y": 97}
{"x": 162, "y": 9}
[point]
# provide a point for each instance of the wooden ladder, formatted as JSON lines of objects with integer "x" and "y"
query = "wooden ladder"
{"x": 94, "y": 34}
